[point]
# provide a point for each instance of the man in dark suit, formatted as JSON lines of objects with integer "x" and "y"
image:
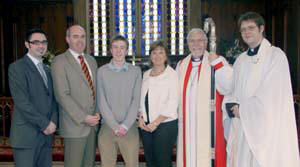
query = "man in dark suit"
{"x": 35, "y": 109}
{"x": 74, "y": 76}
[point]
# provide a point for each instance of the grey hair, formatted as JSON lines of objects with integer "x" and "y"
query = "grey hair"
{"x": 196, "y": 30}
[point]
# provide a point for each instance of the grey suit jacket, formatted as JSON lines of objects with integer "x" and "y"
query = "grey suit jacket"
{"x": 34, "y": 104}
{"x": 73, "y": 94}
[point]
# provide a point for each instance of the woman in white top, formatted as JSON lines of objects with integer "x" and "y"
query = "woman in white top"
{"x": 158, "y": 108}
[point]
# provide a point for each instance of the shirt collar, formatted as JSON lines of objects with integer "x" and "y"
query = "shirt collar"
{"x": 75, "y": 54}
{"x": 118, "y": 69}
{"x": 34, "y": 60}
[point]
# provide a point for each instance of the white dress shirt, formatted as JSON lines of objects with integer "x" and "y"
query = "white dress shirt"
{"x": 36, "y": 61}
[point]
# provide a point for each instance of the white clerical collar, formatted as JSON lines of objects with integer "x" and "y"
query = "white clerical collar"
{"x": 196, "y": 63}
{"x": 198, "y": 59}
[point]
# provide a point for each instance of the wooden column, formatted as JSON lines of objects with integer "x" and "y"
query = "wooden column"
{"x": 298, "y": 47}
{"x": 194, "y": 14}
{"x": 81, "y": 17}
{"x": 2, "y": 58}
{"x": 79, "y": 10}
{"x": 297, "y": 16}
{"x": 291, "y": 42}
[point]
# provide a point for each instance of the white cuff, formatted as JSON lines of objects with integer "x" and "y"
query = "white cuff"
{"x": 216, "y": 61}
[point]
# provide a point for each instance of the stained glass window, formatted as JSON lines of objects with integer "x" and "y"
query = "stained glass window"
{"x": 99, "y": 23}
{"x": 141, "y": 22}
{"x": 151, "y": 23}
{"x": 125, "y": 22}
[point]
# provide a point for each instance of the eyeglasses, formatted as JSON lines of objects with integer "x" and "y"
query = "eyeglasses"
{"x": 250, "y": 28}
{"x": 37, "y": 42}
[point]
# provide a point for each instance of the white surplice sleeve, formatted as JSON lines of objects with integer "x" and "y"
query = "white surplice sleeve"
{"x": 223, "y": 75}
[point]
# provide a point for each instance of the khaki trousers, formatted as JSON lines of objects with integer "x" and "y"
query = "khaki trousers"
{"x": 80, "y": 152}
{"x": 109, "y": 143}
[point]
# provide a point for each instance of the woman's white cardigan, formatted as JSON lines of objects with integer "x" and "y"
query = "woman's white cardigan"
{"x": 163, "y": 95}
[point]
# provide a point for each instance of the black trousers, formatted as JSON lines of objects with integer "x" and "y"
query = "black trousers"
{"x": 158, "y": 145}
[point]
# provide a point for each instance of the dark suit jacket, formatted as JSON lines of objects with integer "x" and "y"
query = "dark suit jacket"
{"x": 34, "y": 104}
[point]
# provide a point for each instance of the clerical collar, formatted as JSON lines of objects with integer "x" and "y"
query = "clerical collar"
{"x": 252, "y": 52}
{"x": 197, "y": 59}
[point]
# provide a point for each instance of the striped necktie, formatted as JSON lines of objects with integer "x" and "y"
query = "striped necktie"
{"x": 87, "y": 75}
{"x": 43, "y": 73}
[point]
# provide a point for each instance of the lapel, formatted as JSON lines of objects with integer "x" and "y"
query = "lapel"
{"x": 76, "y": 66}
{"x": 35, "y": 71}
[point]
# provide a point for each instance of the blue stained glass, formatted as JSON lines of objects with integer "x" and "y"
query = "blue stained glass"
{"x": 143, "y": 48}
{"x": 134, "y": 20}
{"x": 125, "y": 22}
{"x": 159, "y": 12}
{"x": 143, "y": 22}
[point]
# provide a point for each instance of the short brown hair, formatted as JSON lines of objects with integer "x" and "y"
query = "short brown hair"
{"x": 253, "y": 16}
{"x": 157, "y": 44}
{"x": 120, "y": 38}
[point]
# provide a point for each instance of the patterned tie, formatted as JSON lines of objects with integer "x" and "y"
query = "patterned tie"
{"x": 87, "y": 75}
{"x": 42, "y": 72}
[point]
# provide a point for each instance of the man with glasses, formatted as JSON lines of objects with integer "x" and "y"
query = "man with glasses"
{"x": 262, "y": 132}
{"x": 194, "y": 148}
{"x": 35, "y": 109}
{"x": 74, "y": 78}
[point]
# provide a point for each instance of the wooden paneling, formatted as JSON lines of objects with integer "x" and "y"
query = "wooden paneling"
{"x": 226, "y": 14}
{"x": 81, "y": 17}
{"x": 52, "y": 16}
{"x": 282, "y": 24}
{"x": 298, "y": 64}
{"x": 194, "y": 14}
{"x": 298, "y": 48}
{"x": 2, "y": 74}
{"x": 291, "y": 41}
